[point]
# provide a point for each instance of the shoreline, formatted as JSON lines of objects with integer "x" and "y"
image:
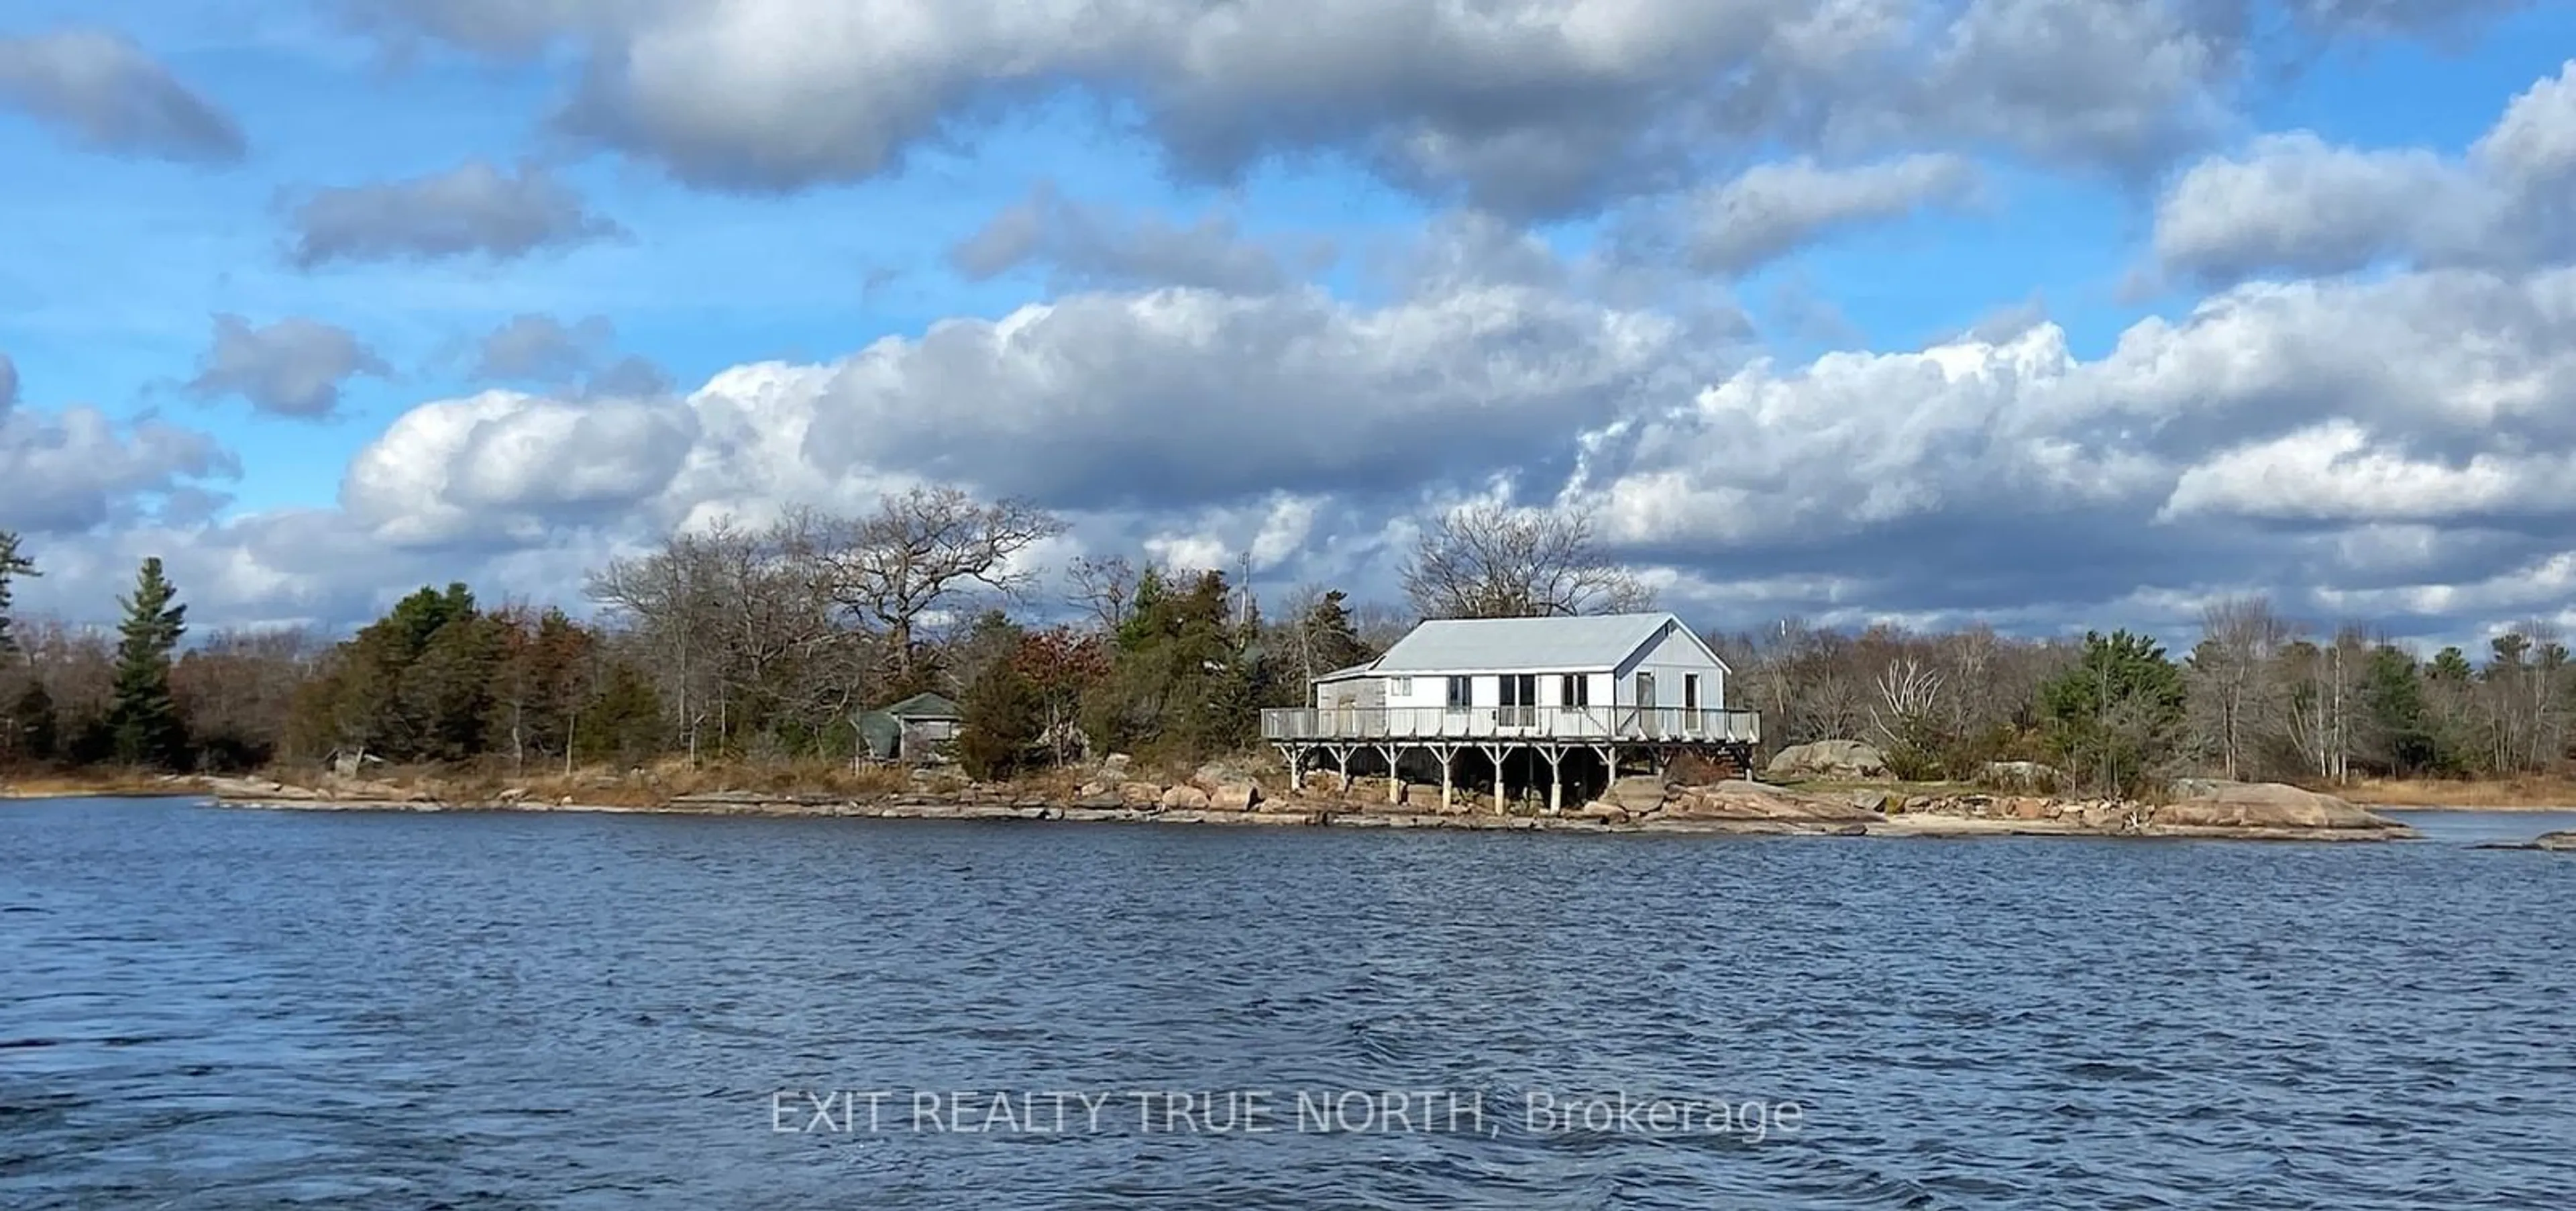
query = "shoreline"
{"x": 2501, "y": 809}
{"x": 1219, "y": 799}
{"x": 1335, "y": 814}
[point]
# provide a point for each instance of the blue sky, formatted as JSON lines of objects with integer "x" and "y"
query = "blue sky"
{"x": 1456, "y": 254}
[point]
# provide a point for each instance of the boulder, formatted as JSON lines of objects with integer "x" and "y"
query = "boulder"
{"x": 1828, "y": 759}
{"x": 2104, "y": 814}
{"x": 1637, "y": 796}
{"x": 1321, "y": 782}
{"x": 1216, "y": 774}
{"x": 2563, "y": 842}
{"x": 1115, "y": 764}
{"x": 1604, "y": 810}
{"x": 1235, "y": 796}
{"x": 2211, "y": 803}
{"x": 1740, "y": 800}
{"x": 1185, "y": 798}
{"x": 1140, "y": 794}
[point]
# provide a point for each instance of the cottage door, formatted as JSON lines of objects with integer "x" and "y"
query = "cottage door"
{"x": 1646, "y": 704}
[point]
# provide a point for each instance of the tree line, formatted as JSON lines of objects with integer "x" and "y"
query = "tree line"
{"x": 766, "y": 642}
{"x": 2258, "y": 696}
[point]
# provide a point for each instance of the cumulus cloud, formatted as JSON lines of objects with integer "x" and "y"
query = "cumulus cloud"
{"x": 2337, "y": 471}
{"x": 1091, "y": 246}
{"x": 294, "y": 367}
{"x": 1178, "y": 396}
{"x": 541, "y": 348}
{"x": 1523, "y": 107}
{"x": 504, "y": 465}
{"x": 8, "y": 383}
{"x": 475, "y": 208}
{"x": 2390, "y": 444}
{"x": 2294, "y": 203}
{"x": 110, "y": 95}
{"x": 2242, "y": 444}
{"x": 1772, "y": 209}
{"x": 573, "y": 359}
{"x": 70, "y": 472}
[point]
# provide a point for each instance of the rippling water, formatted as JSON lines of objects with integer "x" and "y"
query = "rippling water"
{"x": 209, "y": 1008}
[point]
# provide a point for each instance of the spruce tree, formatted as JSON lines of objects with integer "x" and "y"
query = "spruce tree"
{"x": 142, "y": 717}
{"x": 12, "y": 566}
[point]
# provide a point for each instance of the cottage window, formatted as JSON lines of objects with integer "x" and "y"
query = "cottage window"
{"x": 1458, "y": 693}
{"x": 1575, "y": 691}
{"x": 1401, "y": 687}
{"x": 1690, "y": 691}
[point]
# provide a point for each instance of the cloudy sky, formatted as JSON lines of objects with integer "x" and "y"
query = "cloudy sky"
{"x": 2047, "y": 312}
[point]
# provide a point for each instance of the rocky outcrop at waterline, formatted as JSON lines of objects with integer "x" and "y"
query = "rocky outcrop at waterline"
{"x": 1222, "y": 794}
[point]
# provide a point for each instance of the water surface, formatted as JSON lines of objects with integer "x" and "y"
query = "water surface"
{"x": 212, "y": 1008}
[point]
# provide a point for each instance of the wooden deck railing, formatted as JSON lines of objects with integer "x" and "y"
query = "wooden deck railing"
{"x": 1571, "y": 723}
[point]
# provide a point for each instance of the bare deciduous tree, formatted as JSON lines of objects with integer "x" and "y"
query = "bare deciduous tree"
{"x": 2235, "y": 693}
{"x": 1488, "y": 561}
{"x": 1105, "y": 588}
{"x": 1904, "y": 717}
{"x": 922, "y": 548}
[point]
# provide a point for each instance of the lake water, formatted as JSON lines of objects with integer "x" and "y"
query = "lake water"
{"x": 212, "y": 1008}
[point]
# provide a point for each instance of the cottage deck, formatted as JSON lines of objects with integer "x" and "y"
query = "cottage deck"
{"x": 1511, "y": 724}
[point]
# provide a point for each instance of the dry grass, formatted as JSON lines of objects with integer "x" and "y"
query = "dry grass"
{"x": 120, "y": 783}
{"x": 656, "y": 784}
{"x": 2526, "y": 793}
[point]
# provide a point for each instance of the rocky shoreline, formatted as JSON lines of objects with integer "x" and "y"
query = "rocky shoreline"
{"x": 1632, "y": 805}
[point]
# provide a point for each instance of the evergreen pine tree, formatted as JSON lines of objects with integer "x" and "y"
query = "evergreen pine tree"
{"x": 1000, "y": 727}
{"x": 12, "y": 566}
{"x": 2115, "y": 711}
{"x": 142, "y": 717}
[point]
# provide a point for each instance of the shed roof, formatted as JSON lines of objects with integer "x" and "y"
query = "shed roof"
{"x": 1357, "y": 670}
{"x": 923, "y": 706}
{"x": 1597, "y": 641}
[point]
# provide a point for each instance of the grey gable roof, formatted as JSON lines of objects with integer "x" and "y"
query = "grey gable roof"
{"x": 1599, "y": 641}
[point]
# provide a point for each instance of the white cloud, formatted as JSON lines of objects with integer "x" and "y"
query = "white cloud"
{"x": 2336, "y": 472}
{"x": 504, "y": 463}
{"x": 2297, "y": 204}
{"x": 67, "y": 472}
{"x": 475, "y": 208}
{"x": 109, "y": 95}
{"x": 1773, "y": 209}
{"x": 1519, "y": 106}
{"x": 293, "y": 367}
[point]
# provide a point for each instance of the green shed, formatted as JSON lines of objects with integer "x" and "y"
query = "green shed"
{"x": 918, "y": 729}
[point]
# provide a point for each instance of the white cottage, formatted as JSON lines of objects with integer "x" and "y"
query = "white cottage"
{"x": 1545, "y": 686}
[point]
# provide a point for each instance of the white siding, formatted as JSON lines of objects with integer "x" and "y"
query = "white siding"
{"x": 1672, "y": 658}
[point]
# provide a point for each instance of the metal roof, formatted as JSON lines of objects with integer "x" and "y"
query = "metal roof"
{"x": 1592, "y": 642}
{"x": 1357, "y": 670}
{"x": 922, "y": 706}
